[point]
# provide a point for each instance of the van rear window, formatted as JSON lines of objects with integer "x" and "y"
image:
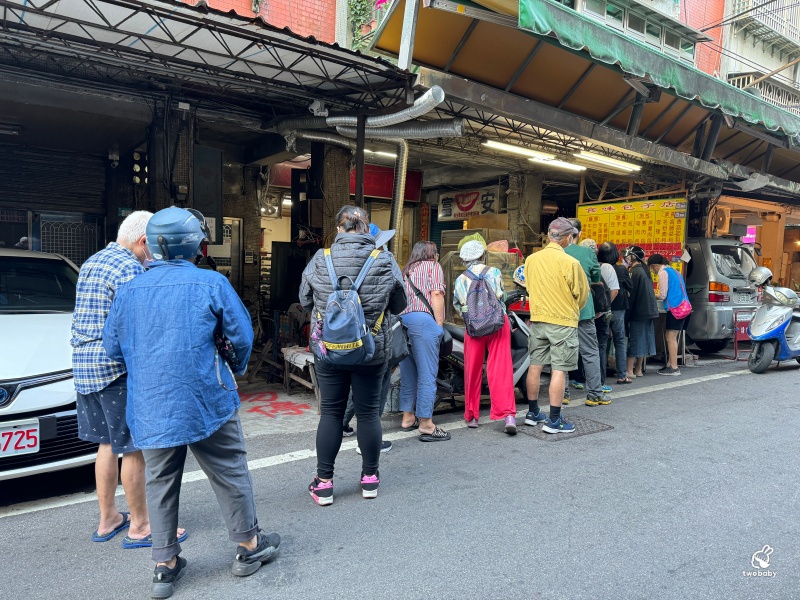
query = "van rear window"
{"x": 733, "y": 262}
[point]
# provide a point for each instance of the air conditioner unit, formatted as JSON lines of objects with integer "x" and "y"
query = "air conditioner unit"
{"x": 722, "y": 220}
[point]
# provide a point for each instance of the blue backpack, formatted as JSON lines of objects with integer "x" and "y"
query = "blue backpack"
{"x": 484, "y": 313}
{"x": 345, "y": 338}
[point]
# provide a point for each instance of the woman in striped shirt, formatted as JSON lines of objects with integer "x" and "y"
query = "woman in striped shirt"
{"x": 423, "y": 277}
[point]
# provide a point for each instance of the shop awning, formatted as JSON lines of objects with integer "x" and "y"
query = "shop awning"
{"x": 535, "y": 77}
{"x": 168, "y": 46}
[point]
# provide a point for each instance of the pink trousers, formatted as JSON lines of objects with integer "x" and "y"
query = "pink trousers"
{"x": 498, "y": 369}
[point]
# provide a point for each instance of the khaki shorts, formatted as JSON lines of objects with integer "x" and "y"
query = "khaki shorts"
{"x": 554, "y": 345}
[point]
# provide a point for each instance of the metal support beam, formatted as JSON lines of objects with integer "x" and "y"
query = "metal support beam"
{"x": 697, "y": 147}
{"x": 622, "y": 105}
{"x": 767, "y": 163}
{"x": 636, "y": 116}
{"x": 535, "y": 113}
{"x": 657, "y": 120}
{"x": 575, "y": 87}
{"x": 713, "y": 136}
{"x": 461, "y": 43}
{"x": 525, "y": 63}
{"x": 674, "y": 123}
{"x": 408, "y": 34}
{"x": 361, "y": 125}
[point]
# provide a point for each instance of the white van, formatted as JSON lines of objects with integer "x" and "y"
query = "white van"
{"x": 38, "y": 420}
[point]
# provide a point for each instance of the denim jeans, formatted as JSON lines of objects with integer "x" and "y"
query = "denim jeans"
{"x": 418, "y": 370}
{"x": 620, "y": 347}
{"x": 334, "y": 387}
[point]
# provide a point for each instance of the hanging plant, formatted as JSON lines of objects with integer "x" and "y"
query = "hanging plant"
{"x": 362, "y": 20}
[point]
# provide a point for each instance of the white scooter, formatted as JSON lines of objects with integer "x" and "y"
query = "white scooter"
{"x": 775, "y": 328}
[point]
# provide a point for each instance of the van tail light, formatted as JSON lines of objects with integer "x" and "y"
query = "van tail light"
{"x": 714, "y": 297}
{"x": 714, "y": 286}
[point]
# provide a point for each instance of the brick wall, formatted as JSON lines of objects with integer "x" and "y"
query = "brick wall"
{"x": 699, "y": 14}
{"x": 304, "y": 17}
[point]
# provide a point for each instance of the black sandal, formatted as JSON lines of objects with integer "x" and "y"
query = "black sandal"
{"x": 413, "y": 427}
{"x": 437, "y": 435}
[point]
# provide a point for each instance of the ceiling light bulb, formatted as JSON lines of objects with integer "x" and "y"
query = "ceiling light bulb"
{"x": 518, "y": 150}
{"x": 607, "y": 160}
{"x": 560, "y": 164}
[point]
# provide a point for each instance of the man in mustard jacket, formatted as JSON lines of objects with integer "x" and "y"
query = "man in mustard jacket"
{"x": 557, "y": 290}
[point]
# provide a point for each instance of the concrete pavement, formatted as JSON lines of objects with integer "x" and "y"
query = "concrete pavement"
{"x": 698, "y": 474}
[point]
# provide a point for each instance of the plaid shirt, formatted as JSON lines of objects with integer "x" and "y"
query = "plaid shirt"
{"x": 99, "y": 279}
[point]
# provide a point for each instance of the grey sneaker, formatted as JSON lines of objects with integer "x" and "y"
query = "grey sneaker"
{"x": 248, "y": 562}
{"x": 669, "y": 371}
{"x": 164, "y": 579}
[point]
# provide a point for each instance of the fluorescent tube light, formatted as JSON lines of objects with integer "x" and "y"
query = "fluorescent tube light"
{"x": 381, "y": 153}
{"x": 607, "y": 161}
{"x": 560, "y": 164}
{"x": 518, "y": 150}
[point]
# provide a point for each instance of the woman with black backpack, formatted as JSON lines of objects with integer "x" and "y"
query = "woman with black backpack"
{"x": 482, "y": 333}
{"x": 382, "y": 291}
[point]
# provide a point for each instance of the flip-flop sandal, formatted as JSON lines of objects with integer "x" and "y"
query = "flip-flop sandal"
{"x": 437, "y": 435}
{"x": 146, "y": 542}
{"x": 126, "y": 522}
{"x": 413, "y": 427}
{"x": 623, "y": 381}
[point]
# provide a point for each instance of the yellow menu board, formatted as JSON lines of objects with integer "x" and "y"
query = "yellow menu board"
{"x": 657, "y": 226}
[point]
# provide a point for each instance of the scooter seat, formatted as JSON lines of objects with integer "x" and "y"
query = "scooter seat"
{"x": 455, "y": 331}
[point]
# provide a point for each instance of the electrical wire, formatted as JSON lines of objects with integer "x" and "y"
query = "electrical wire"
{"x": 727, "y": 20}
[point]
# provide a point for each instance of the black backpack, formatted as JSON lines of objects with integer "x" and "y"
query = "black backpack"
{"x": 601, "y": 296}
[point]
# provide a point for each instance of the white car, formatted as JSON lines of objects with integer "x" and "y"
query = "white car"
{"x": 38, "y": 421}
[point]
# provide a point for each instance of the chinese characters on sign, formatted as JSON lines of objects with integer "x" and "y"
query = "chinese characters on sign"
{"x": 655, "y": 225}
{"x": 460, "y": 205}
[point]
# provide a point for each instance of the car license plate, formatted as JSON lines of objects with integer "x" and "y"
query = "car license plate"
{"x": 743, "y": 299}
{"x": 19, "y": 437}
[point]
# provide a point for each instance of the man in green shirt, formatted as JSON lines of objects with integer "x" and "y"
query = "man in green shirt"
{"x": 587, "y": 333}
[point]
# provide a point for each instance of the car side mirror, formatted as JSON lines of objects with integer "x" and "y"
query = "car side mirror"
{"x": 757, "y": 248}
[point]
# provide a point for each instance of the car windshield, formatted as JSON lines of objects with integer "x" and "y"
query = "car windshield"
{"x": 29, "y": 284}
{"x": 733, "y": 262}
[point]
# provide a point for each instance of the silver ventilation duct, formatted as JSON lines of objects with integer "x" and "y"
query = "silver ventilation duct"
{"x": 411, "y": 131}
{"x": 422, "y": 105}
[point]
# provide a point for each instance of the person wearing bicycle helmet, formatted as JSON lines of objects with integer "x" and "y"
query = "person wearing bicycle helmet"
{"x": 182, "y": 393}
{"x": 642, "y": 312}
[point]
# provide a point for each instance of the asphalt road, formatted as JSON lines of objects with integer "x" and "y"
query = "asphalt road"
{"x": 697, "y": 474}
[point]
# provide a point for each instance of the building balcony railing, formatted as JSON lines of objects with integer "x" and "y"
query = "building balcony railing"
{"x": 774, "y": 94}
{"x": 776, "y": 22}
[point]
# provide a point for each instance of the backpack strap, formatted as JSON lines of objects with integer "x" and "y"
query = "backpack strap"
{"x": 363, "y": 273}
{"x": 331, "y": 270}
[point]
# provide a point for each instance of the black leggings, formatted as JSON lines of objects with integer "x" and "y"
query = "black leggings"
{"x": 334, "y": 387}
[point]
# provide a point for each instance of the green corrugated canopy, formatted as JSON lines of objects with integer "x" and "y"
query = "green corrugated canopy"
{"x": 580, "y": 33}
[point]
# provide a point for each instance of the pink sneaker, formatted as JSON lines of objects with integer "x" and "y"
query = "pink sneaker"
{"x": 511, "y": 425}
{"x": 321, "y": 491}
{"x": 369, "y": 485}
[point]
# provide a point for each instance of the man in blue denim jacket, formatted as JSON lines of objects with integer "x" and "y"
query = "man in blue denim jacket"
{"x": 182, "y": 393}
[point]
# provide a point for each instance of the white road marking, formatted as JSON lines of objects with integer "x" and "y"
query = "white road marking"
{"x": 280, "y": 459}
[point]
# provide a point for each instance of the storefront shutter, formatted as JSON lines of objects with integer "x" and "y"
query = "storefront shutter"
{"x": 437, "y": 227}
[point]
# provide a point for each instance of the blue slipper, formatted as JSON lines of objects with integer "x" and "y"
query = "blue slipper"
{"x": 147, "y": 542}
{"x": 126, "y": 522}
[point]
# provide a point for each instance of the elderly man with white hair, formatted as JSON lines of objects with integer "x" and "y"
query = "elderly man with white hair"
{"x": 101, "y": 383}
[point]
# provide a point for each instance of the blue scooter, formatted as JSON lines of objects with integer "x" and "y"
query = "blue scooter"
{"x": 775, "y": 328}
